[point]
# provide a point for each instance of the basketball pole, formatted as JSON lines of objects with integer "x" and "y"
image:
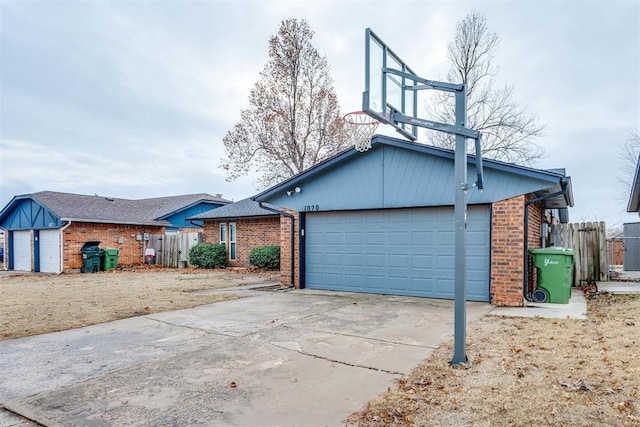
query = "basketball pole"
{"x": 460, "y": 213}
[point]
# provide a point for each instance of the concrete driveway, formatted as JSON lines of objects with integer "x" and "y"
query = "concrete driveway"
{"x": 299, "y": 358}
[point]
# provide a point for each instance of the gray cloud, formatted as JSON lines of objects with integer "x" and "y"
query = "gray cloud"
{"x": 132, "y": 99}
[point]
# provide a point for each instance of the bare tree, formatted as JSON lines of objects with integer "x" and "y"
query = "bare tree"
{"x": 628, "y": 157}
{"x": 294, "y": 119}
{"x": 508, "y": 130}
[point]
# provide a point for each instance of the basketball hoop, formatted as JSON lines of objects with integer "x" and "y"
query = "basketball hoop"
{"x": 360, "y": 128}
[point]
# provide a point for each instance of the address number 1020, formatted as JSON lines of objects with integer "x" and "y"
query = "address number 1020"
{"x": 311, "y": 208}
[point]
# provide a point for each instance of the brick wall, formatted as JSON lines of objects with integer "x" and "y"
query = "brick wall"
{"x": 285, "y": 250}
{"x": 109, "y": 236}
{"x": 250, "y": 233}
{"x": 507, "y": 248}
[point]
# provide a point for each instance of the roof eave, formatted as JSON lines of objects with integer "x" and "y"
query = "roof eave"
{"x": 235, "y": 217}
{"x": 119, "y": 222}
{"x": 207, "y": 201}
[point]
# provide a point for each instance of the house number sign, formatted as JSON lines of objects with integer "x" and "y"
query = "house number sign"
{"x": 311, "y": 208}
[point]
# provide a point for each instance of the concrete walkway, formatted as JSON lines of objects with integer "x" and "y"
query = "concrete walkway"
{"x": 576, "y": 309}
{"x": 296, "y": 358}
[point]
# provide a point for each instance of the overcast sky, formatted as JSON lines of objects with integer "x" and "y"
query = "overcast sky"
{"x": 132, "y": 99}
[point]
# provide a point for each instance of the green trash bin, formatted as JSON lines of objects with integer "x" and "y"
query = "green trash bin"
{"x": 555, "y": 274}
{"x": 91, "y": 257}
{"x": 110, "y": 261}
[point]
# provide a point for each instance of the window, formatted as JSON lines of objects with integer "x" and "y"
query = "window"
{"x": 232, "y": 240}
{"x": 223, "y": 234}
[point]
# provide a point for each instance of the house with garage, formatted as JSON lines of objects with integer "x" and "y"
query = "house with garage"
{"x": 631, "y": 230}
{"x": 382, "y": 221}
{"x": 45, "y": 231}
{"x": 240, "y": 227}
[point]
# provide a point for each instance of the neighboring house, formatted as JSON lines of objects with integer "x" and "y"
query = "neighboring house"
{"x": 240, "y": 226}
{"x": 45, "y": 231}
{"x": 634, "y": 197}
{"x": 382, "y": 221}
{"x": 631, "y": 231}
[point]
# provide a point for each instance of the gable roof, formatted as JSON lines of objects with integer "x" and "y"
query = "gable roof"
{"x": 245, "y": 208}
{"x": 541, "y": 183}
{"x": 85, "y": 208}
{"x": 634, "y": 197}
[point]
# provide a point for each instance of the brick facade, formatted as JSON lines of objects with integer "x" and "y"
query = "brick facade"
{"x": 122, "y": 237}
{"x": 507, "y": 248}
{"x": 250, "y": 233}
{"x": 285, "y": 250}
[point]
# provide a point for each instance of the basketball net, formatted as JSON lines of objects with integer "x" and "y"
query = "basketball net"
{"x": 360, "y": 128}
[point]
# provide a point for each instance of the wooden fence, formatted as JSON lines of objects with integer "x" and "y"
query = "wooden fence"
{"x": 588, "y": 240}
{"x": 172, "y": 250}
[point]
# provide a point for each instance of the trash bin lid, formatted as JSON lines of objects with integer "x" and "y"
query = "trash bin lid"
{"x": 91, "y": 245}
{"x": 553, "y": 250}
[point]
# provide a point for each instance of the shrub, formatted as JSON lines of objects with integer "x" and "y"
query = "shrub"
{"x": 265, "y": 257}
{"x": 208, "y": 255}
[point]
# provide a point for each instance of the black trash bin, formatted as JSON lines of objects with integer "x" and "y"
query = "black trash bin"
{"x": 91, "y": 257}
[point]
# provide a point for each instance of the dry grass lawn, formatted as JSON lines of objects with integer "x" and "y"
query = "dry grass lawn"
{"x": 527, "y": 372}
{"x": 33, "y": 304}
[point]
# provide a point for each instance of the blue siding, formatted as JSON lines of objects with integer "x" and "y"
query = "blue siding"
{"x": 27, "y": 214}
{"x": 389, "y": 177}
{"x": 396, "y": 251}
{"x": 179, "y": 219}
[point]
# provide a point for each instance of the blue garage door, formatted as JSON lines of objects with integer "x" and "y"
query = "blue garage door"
{"x": 396, "y": 251}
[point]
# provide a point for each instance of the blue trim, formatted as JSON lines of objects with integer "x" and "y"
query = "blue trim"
{"x": 10, "y": 250}
{"x": 184, "y": 208}
{"x": 36, "y": 251}
{"x": 550, "y": 176}
{"x": 24, "y": 212}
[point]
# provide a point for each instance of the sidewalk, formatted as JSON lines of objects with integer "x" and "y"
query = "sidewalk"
{"x": 576, "y": 309}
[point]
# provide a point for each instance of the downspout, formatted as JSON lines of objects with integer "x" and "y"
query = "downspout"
{"x": 564, "y": 188}
{"x": 292, "y": 237}
{"x": 62, "y": 247}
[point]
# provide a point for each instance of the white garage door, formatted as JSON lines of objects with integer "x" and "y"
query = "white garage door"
{"x": 50, "y": 251}
{"x": 22, "y": 250}
{"x": 399, "y": 252}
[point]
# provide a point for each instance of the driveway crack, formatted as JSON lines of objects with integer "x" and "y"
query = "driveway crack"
{"x": 328, "y": 359}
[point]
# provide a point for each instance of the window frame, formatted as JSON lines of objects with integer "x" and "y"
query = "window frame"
{"x": 233, "y": 236}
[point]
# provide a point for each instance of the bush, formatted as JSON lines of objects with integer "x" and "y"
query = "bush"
{"x": 265, "y": 257}
{"x": 208, "y": 255}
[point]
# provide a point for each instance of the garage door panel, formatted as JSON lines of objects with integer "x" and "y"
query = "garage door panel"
{"x": 354, "y": 238}
{"x": 445, "y": 238}
{"x": 376, "y": 238}
{"x": 375, "y": 282}
{"x": 22, "y": 250}
{"x": 398, "y": 283}
{"x": 421, "y": 262}
{"x": 398, "y": 237}
{"x": 49, "y": 251}
{"x": 404, "y": 252}
{"x": 399, "y": 260}
{"x": 354, "y": 260}
{"x": 422, "y": 287}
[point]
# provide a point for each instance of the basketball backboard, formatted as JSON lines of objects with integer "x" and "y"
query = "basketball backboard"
{"x": 385, "y": 91}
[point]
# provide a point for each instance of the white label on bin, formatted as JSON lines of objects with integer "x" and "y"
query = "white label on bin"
{"x": 548, "y": 261}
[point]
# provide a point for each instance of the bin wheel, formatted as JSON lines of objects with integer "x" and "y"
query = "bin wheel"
{"x": 540, "y": 295}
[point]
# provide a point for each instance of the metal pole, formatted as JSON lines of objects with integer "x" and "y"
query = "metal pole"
{"x": 460, "y": 213}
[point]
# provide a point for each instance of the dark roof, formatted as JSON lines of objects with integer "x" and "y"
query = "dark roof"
{"x": 245, "y": 208}
{"x": 84, "y": 208}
